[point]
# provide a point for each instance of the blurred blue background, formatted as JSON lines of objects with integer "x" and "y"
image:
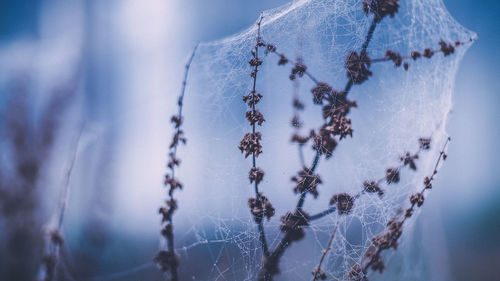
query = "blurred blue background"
{"x": 470, "y": 217}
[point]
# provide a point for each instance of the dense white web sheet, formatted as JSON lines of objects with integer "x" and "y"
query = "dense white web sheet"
{"x": 214, "y": 228}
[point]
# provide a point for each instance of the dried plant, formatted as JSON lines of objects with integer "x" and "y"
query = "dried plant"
{"x": 167, "y": 259}
{"x": 54, "y": 237}
{"x": 30, "y": 142}
{"x": 337, "y": 126}
{"x": 387, "y": 239}
{"x": 260, "y": 206}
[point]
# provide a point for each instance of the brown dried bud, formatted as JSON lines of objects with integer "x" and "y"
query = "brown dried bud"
{"x": 174, "y": 161}
{"x": 381, "y": 8}
{"x": 344, "y": 202}
{"x": 427, "y": 183}
{"x": 298, "y": 69}
{"x": 341, "y": 126}
{"x": 372, "y": 187}
{"x": 255, "y": 116}
{"x": 270, "y": 48}
{"x": 321, "y": 91}
{"x": 396, "y": 58}
{"x": 324, "y": 143}
{"x": 409, "y": 160}
{"x": 428, "y": 53}
{"x": 178, "y": 137}
{"x": 446, "y": 48}
{"x": 252, "y": 99}
{"x": 283, "y": 60}
{"x": 306, "y": 182}
{"x": 172, "y": 183}
{"x": 256, "y": 175}
{"x": 417, "y": 198}
{"x": 177, "y": 120}
{"x": 255, "y": 62}
{"x": 415, "y": 55}
{"x": 261, "y": 207}
{"x": 425, "y": 143}
{"x": 358, "y": 67}
{"x": 250, "y": 144}
{"x": 297, "y": 104}
{"x": 392, "y": 175}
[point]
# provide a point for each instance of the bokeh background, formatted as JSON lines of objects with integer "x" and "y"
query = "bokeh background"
{"x": 134, "y": 52}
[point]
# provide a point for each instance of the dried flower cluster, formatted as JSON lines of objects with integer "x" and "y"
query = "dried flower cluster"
{"x": 260, "y": 206}
{"x": 306, "y": 182}
{"x": 358, "y": 67}
{"x": 343, "y": 202}
{"x": 167, "y": 259}
{"x": 337, "y": 126}
{"x": 381, "y": 8}
{"x": 335, "y": 108}
{"x": 372, "y": 258}
{"x": 398, "y": 59}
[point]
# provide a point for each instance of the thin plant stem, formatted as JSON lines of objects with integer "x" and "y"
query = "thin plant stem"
{"x": 318, "y": 271}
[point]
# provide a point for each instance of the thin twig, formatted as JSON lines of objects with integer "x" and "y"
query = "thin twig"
{"x": 318, "y": 271}
{"x": 390, "y": 237}
{"x": 55, "y": 238}
{"x": 167, "y": 260}
{"x": 285, "y": 241}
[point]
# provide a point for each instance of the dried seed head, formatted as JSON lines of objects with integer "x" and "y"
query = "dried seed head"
{"x": 298, "y": 69}
{"x": 425, "y": 143}
{"x": 392, "y": 175}
{"x": 340, "y": 126}
{"x": 255, "y": 116}
{"x": 324, "y": 143}
{"x": 381, "y": 8}
{"x": 293, "y": 224}
{"x": 358, "y": 67}
{"x": 321, "y": 91}
{"x": 409, "y": 160}
{"x": 417, "y": 198}
{"x": 252, "y": 98}
{"x": 344, "y": 202}
{"x": 396, "y": 58}
{"x": 446, "y": 48}
{"x": 427, "y": 183}
{"x": 372, "y": 187}
{"x": 250, "y": 144}
{"x": 428, "y": 53}
{"x": 256, "y": 175}
{"x": 306, "y": 182}
{"x": 261, "y": 207}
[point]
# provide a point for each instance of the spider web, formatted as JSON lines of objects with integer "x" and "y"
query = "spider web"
{"x": 220, "y": 240}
